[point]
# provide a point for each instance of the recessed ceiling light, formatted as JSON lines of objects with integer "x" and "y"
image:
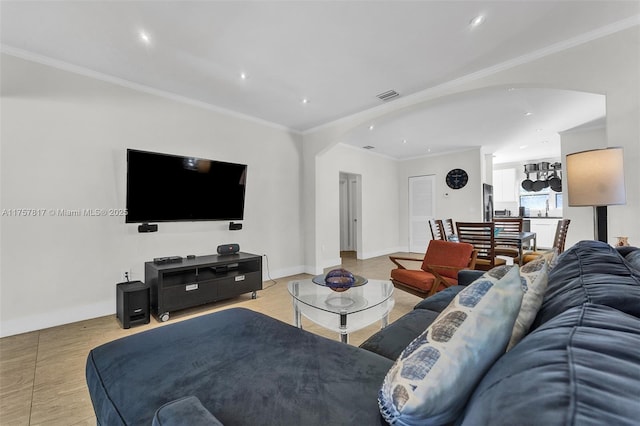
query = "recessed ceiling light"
{"x": 371, "y": 127}
{"x": 428, "y": 149}
{"x": 404, "y": 141}
{"x": 305, "y": 100}
{"x": 243, "y": 76}
{"x": 478, "y": 20}
{"x": 528, "y": 113}
{"x": 144, "y": 37}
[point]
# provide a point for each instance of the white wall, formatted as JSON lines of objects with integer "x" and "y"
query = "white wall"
{"x": 64, "y": 139}
{"x": 379, "y": 184}
{"x": 463, "y": 204}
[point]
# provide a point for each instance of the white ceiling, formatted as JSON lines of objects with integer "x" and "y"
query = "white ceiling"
{"x": 337, "y": 54}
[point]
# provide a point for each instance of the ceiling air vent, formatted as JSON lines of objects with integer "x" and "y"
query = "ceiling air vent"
{"x": 368, "y": 147}
{"x": 389, "y": 94}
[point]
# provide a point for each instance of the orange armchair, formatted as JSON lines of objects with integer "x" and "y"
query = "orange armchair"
{"x": 439, "y": 269}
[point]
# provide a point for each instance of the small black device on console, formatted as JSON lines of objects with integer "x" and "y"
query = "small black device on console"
{"x": 191, "y": 256}
{"x": 132, "y": 303}
{"x": 228, "y": 249}
{"x": 148, "y": 227}
{"x": 168, "y": 259}
{"x": 234, "y": 226}
{"x": 225, "y": 268}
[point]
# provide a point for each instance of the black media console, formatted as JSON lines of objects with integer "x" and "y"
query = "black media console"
{"x": 200, "y": 280}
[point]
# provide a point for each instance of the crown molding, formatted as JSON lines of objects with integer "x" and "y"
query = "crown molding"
{"x": 86, "y": 72}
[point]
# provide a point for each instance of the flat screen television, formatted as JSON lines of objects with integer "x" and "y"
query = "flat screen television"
{"x": 173, "y": 188}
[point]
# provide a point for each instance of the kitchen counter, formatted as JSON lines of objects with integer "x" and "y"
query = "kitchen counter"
{"x": 544, "y": 227}
{"x": 529, "y": 217}
{"x": 543, "y": 217}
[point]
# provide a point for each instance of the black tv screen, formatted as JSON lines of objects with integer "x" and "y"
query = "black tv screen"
{"x": 169, "y": 188}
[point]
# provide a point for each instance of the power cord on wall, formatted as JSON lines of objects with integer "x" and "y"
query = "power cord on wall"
{"x": 268, "y": 274}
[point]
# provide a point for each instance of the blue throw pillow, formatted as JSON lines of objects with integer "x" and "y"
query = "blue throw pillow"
{"x": 433, "y": 377}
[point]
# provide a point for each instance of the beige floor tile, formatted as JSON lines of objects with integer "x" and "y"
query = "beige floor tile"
{"x": 17, "y": 371}
{"x": 15, "y": 405}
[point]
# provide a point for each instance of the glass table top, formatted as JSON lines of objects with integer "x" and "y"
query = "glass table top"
{"x": 355, "y": 299}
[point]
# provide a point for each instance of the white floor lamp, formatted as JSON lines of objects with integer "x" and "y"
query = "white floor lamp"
{"x": 596, "y": 178}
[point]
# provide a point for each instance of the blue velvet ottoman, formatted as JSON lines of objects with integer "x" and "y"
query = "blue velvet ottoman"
{"x": 244, "y": 367}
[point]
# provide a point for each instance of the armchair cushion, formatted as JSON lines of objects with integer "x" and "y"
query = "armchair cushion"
{"x": 391, "y": 340}
{"x": 454, "y": 256}
{"x": 418, "y": 279}
{"x": 468, "y": 276}
{"x": 440, "y": 300}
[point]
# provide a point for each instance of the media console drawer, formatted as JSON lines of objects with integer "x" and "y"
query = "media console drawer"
{"x": 201, "y": 280}
{"x": 189, "y": 295}
{"x": 237, "y": 285}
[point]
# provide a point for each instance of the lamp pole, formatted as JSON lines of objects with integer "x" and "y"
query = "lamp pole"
{"x": 600, "y": 223}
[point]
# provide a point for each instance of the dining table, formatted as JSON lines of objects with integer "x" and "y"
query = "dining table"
{"x": 519, "y": 239}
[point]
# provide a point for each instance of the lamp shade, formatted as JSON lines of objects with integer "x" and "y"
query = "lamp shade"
{"x": 596, "y": 177}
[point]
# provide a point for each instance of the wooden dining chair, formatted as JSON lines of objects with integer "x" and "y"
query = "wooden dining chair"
{"x": 449, "y": 228}
{"x": 510, "y": 225}
{"x": 481, "y": 236}
{"x": 558, "y": 242}
{"x": 437, "y": 229}
{"x": 439, "y": 268}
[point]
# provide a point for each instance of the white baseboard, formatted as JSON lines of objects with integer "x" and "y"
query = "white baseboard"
{"x": 319, "y": 269}
{"x": 384, "y": 252}
{"x": 284, "y": 272}
{"x": 313, "y": 270}
{"x": 56, "y": 318}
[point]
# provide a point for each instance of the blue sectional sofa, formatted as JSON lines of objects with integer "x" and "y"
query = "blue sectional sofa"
{"x": 579, "y": 364}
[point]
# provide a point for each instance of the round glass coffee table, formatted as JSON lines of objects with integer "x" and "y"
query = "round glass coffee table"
{"x": 343, "y": 312}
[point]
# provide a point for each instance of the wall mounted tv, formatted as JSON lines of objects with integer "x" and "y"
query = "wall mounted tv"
{"x": 172, "y": 188}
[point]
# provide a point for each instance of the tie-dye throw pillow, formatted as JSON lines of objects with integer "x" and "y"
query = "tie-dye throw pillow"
{"x": 434, "y": 376}
{"x": 535, "y": 277}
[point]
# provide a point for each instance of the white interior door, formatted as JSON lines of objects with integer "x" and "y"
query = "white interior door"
{"x": 421, "y": 209}
{"x": 348, "y": 212}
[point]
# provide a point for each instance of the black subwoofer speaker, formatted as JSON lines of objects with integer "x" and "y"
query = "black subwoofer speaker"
{"x": 132, "y": 300}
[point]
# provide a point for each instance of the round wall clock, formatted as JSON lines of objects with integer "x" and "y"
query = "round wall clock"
{"x": 457, "y": 178}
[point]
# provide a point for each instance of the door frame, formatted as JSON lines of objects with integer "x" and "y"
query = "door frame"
{"x": 420, "y": 221}
{"x": 350, "y": 187}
